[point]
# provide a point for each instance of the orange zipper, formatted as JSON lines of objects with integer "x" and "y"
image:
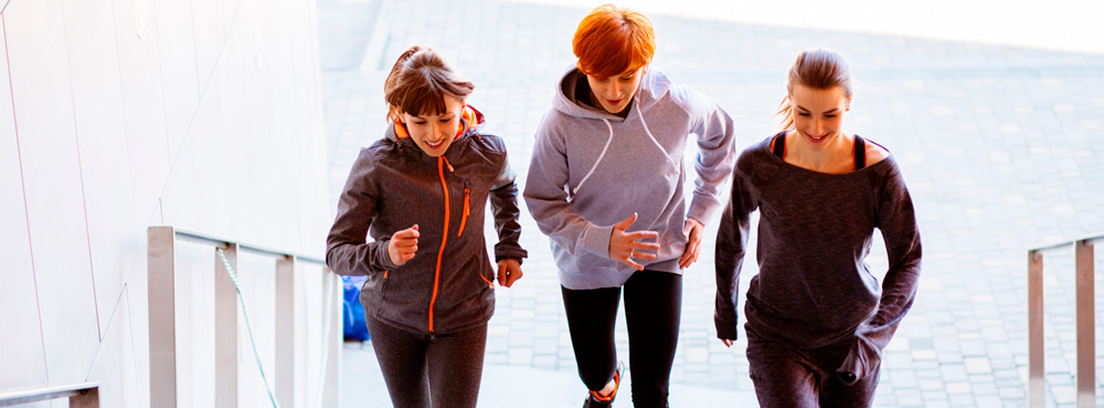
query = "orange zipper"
{"x": 464, "y": 219}
{"x": 441, "y": 163}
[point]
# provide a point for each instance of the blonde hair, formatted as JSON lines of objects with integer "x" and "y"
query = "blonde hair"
{"x": 817, "y": 69}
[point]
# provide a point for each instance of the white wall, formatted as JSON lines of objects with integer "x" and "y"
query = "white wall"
{"x": 116, "y": 115}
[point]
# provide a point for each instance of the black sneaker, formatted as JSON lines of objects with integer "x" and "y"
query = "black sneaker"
{"x": 596, "y": 400}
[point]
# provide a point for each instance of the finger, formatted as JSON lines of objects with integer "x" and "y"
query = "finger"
{"x": 638, "y": 246}
{"x": 502, "y": 271}
{"x": 514, "y": 276}
{"x": 629, "y": 262}
{"x": 643, "y": 255}
{"x": 684, "y": 260}
{"x": 639, "y": 235}
{"x": 408, "y": 233}
{"x": 727, "y": 343}
{"x": 405, "y": 242}
{"x": 625, "y": 223}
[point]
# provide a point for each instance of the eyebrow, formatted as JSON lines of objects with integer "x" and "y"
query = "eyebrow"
{"x": 833, "y": 110}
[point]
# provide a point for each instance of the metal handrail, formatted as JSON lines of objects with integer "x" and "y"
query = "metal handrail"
{"x": 193, "y": 236}
{"x": 84, "y": 394}
{"x": 1085, "y": 318}
{"x": 162, "y": 311}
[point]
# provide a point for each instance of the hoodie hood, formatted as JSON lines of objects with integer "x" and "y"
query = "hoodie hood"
{"x": 652, "y": 88}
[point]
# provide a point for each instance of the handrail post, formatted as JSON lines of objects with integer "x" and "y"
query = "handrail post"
{"x": 162, "y": 315}
{"x": 336, "y": 339}
{"x": 1086, "y": 336}
{"x": 1036, "y": 383}
{"x": 226, "y": 330}
{"x": 89, "y": 398}
{"x": 285, "y": 331}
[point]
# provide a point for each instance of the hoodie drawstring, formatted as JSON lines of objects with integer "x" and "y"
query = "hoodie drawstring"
{"x": 649, "y": 132}
{"x": 600, "y": 156}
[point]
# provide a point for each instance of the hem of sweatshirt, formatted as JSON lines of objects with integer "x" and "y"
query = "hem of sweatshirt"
{"x": 615, "y": 278}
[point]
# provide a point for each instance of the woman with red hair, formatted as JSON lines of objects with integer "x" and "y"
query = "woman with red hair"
{"x": 606, "y": 185}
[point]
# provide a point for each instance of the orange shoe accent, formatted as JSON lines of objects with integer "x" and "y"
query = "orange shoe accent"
{"x": 616, "y": 385}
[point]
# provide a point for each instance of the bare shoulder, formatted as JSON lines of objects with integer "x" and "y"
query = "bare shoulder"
{"x": 875, "y": 152}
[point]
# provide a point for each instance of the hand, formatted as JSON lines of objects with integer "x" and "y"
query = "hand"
{"x": 693, "y": 231}
{"x": 509, "y": 271}
{"x": 624, "y": 246}
{"x": 403, "y": 245}
{"x": 727, "y": 342}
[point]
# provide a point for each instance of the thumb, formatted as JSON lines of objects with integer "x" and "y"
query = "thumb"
{"x": 688, "y": 228}
{"x": 415, "y": 227}
{"x": 623, "y": 225}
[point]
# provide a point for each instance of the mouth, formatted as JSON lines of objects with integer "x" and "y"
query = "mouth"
{"x": 816, "y": 139}
{"x": 614, "y": 102}
{"x": 436, "y": 145}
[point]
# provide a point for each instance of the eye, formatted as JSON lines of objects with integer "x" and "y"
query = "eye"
{"x": 803, "y": 114}
{"x": 626, "y": 79}
{"x": 446, "y": 120}
{"x": 419, "y": 122}
{"x": 832, "y": 116}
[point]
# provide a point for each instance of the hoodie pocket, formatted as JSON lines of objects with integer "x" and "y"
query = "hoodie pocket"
{"x": 467, "y": 209}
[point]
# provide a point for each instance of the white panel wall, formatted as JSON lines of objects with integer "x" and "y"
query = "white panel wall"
{"x": 52, "y": 181}
{"x": 101, "y": 136}
{"x": 133, "y": 113}
{"x": 21, "y": 336}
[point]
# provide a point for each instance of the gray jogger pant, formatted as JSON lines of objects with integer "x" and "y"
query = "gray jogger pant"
{"x": 424, "y": 373}
{"x": 790, "y": 377}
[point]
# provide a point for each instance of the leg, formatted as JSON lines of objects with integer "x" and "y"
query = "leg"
{"x": 590, "y": 318}
{"x": 783, "y": 376}
{"x": 456, "y": 368}
{"x": 653, "y": 311}
{"x": 402, "y": 358}
{"x": 834, "y": 393}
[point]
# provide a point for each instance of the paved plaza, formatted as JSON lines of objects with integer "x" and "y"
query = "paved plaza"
{"x": 1002, "y": 149}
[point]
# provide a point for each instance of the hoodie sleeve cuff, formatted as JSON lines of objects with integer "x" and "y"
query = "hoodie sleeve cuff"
{"x": 701, "y": 213}
{"x": 596, "y": 240}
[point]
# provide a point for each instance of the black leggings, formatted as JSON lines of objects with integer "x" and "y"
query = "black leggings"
{"x": 653, "y": 309}
{"x": 445, "y": 371}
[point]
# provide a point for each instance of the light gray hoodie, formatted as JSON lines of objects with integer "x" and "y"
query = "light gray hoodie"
{"x": 591, "y": 169}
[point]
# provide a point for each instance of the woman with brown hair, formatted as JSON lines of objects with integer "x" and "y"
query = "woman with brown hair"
{"x": 411, "y": 218}
{"x": 817, "y": 320}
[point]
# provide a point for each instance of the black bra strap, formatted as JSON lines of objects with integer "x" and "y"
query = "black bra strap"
{"x": 780, "y": 145}
{"x": 860, "y": 153}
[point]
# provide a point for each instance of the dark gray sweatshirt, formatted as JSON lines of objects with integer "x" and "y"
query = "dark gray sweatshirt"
{"x": 814, "y": 287}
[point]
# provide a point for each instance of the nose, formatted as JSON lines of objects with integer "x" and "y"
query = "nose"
{"x": 614, "y": 93}
{"x": 818, "y": 125}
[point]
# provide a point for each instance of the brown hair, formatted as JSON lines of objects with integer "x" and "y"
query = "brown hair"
{"x": 611, "y": 40}
{"x": 419, "y": 82}
{"x": 817, "y": 69}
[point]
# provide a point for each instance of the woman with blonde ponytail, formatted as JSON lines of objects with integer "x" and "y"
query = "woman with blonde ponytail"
{"x": 411, "y": 218}
{"x": 817, "y": 319}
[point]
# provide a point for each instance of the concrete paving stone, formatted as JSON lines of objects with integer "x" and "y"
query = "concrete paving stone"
{"x": 1023, "y": 109}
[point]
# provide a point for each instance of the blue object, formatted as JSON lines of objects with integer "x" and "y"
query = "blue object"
{"x": 355, "y": 327}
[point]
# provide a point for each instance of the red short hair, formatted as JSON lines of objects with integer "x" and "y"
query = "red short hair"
{"x": 611, "y": 40}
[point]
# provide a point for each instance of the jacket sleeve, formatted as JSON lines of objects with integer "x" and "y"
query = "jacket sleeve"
{"x": 546, "y": 196}
{"x": 504, "y": 203}
{"x": 732, "y": 239}
{"x": 347, "y": 253}
{"x": 715, "y": 158}
{"x": 897, "y": 221}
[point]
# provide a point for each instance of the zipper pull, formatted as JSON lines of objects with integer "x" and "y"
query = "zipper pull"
{"x": 448, "y": 164}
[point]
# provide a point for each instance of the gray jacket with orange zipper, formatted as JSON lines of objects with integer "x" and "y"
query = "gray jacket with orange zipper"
{"x": 449, "y": 284}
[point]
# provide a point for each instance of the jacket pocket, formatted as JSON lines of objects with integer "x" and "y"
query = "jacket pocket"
{"x": 467, "y": 209}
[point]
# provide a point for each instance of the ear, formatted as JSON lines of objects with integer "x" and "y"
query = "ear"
{"x": 847, "y": 106}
